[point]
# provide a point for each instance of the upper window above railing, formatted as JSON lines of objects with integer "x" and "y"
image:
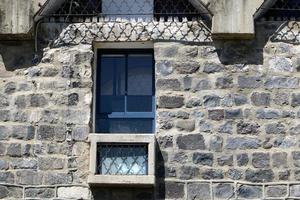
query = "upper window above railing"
{"x": 145, "y": 9}
{"x": 280, "y": 10}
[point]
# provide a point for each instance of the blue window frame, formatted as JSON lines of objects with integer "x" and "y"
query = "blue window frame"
{"x": 125, "y": 91}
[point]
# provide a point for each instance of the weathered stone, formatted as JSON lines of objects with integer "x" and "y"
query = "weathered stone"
{"x": 4, "y": 132}
{"x": 249, "y": 192}
{"x": 248, "y": 128}
{"x": 173, "y": 190}
{"x": 168, "y": 84}
{"x": 73, "y": 99}
{"x": 284, "y": 175}
{"x": 197, "y": 191}
{"x": 216, "y": 144}
{"x": 211, "y": 101}
{"x": 186, "y": 67}
{"x": 38, "y": 100}
{"x": 267, "y": 114}
{"x": 165, "y": 141}
{"x": 188, "y": 172}
{"x": 194, "y": 102}
{"x": 53, "y": 178}
{"x": 278, "y": 82}
{"x": 74, "y": 192}
{"x": 50, "y": 163}
{"x": 10, "y": 88}
{"x": 187, "y": 83}
{"x": 227, "y": 127}
{"x": 21, "y": 102}
{"x": 200, "y": 85}
{"x": 80, "y": 133}
{"x": 233, "y": 114}
{"x": 50, "y": 72}
{"x": 295, "y": 190}
{"x": 223, "y": 191}
{"x": 14, "y": 150}
{"x": 295, "y": 100}
{"x": 23, "y": 132}
{"x": 240, "y": 99}
{"x": 280, "y": 64}
{"x": 277, "y": 128}
{"x": 205, "y": 126}
{"x": 182, "y": 115}
{"x": 40, "y": 192}
{"x": 7, "y": 177}
{"x": 224, "y": 82}
{"x": 211, "y": 174}
{"x": 189, "y": 51}
{"x": 212, "y": 67}
{"x": 186, "y": 125}
{"x": 276, "y": 191}
{"x": 259, "y": 176}
{"x": 234, "y": 174}
{"x": 3, "y": 165}
{"x": 203, "y": 158}
{"x": 249, "y": 82}
{"x": 11, "y": 192}
{"x": 170, "y": 102}
{"x": 242, "y": 159}
{"x": 25, "y": 163}
{"x": 242, "y": 143}
{"x": 281, "y": 98}
{"x": 180, "y": 157}
{"x": 279, "y": 160}
{"x": 216, "y": 115}
{"x": 164, "y": 68}
{"x": 296, "y": 158}
{"x": 4, "y": 101}
{"x": 191, "y": 142}
{"x": 2, "y": 148}
{"x": 4, "y": 115}
{"x": 261, "y": 99}
{"x": 67, "y": 72}
{"x": 261, "y": 160}
{"x": 225, "y": 160}
{"x": 29, "y": 177}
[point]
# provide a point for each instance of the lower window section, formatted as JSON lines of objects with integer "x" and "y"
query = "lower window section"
{"x": 125, "y": 125}
{"x": 122, "y": 159}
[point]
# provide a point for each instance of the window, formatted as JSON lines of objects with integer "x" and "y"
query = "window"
{"x": 125, "y": 94}
{"x": 123, "y": 146}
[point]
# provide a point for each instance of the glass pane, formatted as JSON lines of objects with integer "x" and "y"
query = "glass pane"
{"x": 122, "y": 159}
{"x": 112, "y": 84}
{"x": 140, "y": 83}
{"x": 140, "y": 103}
{"x": 124, "y": 125}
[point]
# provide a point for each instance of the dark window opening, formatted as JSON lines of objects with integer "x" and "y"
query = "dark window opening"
{"x": 125, "y": 91}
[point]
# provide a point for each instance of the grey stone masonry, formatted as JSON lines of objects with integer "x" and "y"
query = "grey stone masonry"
{"x": 227, "y": 122}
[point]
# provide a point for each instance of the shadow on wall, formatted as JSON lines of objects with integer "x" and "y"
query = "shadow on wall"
{"x": 232, "y": 52}
{"x": 16, "y": 54}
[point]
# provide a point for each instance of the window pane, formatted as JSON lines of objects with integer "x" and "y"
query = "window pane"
{"x": 112, "y": 84}
{"x": 140, "y": 75}
{"x": 140, "y": 103}
{"x": 122, "y": 159}
{"x": 124, "y": 125}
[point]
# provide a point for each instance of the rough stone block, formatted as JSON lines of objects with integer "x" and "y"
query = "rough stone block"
{"x": 295, "y": 191}
{"x": 29, "y": 177}
{"x": 168, "y": 84}
{"x": 186, "y": 125}
{"x": 216, "y": 115}
{"x": 50, "y": 163}
{"x": 295, "y": 100}
{"x": 279, "y": 159}
{"x": 198, "y": 191}
{"x": 10, "y": 88}
{"x": 14, "y": 150}
{"x": 281, "y": 98}
{"x": 7, "y": 177}
{"x": 191, "y": 142}
{"x": 276, "y": 191}
{"x": 223, "y": 191}
{"x": 203, "y": 159}
{"x": 165, "y": 141}
{"x": 251, "y": 128}
{"x": 249, "y": 81}
{"x": 164, "y": 68}
{"x": 24, "y": 163}
{"x": 170, "y": 102}
{"x": 193, "y": 102}
{"x": 173, "y": 190}
{"x": 186, "y": 67}
{"x": 40, "y": 192}
{"x": 234, "y": 174}
{"x": 211, "y": 174}
{"x": 5, "y": 132}
{"x": 250, "y": 192}
{"x": 259, "y": 176}
{"x": 4, "y": 115}
{"x": 275, "y": 128}
{"x": 216, "y": 144}
{"x": 261, "y": 160}
{"x": 23, "y": 132}
{"x": 278, "y": 82}
{"x": 188, "y": 172}
{"x": 261, "y": 99}
{"x": 224, "y": 82}
{"x": 11, "y": 192}
{"x": 267, "y": 114}
{"x": 53, "y": 178}
{"x": 225, "y": 160}
{"x": 280, "y": 64}
{"x": 80, "y": 133}
{"x": 73, "y": 192}
{"x": 233, "y": 114}
{"x": 240, "y": 99}
{"x": 211, "y": 100}
{"x": 38, "y": 100}
{"x": 242, "y": 143}
{"x": 242, "y": 159}
{"x": 200, "y": 85}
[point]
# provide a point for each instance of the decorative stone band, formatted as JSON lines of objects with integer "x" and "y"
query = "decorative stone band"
{"x": 124, "y": 30}
{"x": 288, "y": 32}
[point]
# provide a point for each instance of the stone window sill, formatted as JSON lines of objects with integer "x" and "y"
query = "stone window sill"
{"x": 122, "y": 180}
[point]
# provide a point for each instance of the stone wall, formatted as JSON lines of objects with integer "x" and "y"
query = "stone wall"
{"x": 227, "y": 123}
